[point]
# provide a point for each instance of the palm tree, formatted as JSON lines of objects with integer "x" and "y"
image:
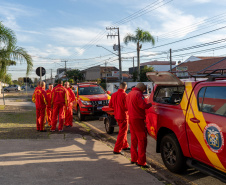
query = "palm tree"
{"x": 10, "y": 53}
{"x": 139, "y": 37}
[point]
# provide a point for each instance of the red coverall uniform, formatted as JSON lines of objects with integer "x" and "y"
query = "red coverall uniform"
{"x": 118, "y": 103}
{"x": 136, "y": 110}
{"x": 40, "y": 99}
{"x": 59, "y": 101}
{"x": 49, "y": 110}
{"x": 69, "y": 110}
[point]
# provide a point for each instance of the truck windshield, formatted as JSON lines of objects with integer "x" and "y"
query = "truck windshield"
{"x": 90, "y": 90}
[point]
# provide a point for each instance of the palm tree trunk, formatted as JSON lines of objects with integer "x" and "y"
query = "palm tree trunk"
{"x": 138, "y": 61}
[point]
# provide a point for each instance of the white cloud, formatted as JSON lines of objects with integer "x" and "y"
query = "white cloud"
{"x": 49, "y": 51}
{"x": 173, "y": 19}
{"x": 9, "y": 12}
{"x": 211, "y": 38}
{"x": 73, "y": 35}
{"x": 79, "y": 51}
{"x": 76, "y": 36}
{"x": 57, "y": 51}
{"x": 202, "y": 1}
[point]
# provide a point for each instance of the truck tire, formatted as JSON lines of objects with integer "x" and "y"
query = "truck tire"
{"x": 80, "y": 116}
{"x": 108, "y": 127}
{"x": 74, "y": 111}
{"x": 172, "y": 155}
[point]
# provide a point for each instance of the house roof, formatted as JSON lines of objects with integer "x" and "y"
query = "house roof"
{"x": 155, "y": 62}
{"x": 205, "y": 64}
{"x": 207, "y": 57}
{"x": 109, "y": 67}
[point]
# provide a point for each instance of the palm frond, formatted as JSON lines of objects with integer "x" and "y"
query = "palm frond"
{"x": 147, "y": 37}
{"x": 19, "y": 54}
{"x": 139, "y": 34}
{"x": 7, "y": 36}
{"x": 129, "y": 38}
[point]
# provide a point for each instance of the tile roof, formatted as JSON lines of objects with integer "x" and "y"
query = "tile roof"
{"x": 206, "y": 64}
{"x": 155, "y": 62}
{"x": 203, "y": 58}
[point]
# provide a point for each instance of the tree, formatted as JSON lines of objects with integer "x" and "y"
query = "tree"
{"x": 75, "y": 75}
{"x": 10, "y": 53}
{"x": 135, "y": 76}
{"x": 143, "y": 77}
{"x": 139, "y": 37}
{"x": 8, "y": 79}
{"x": 71, "y": 81}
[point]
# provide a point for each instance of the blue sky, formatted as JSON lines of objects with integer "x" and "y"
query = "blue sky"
{"x": 56, "y": 30}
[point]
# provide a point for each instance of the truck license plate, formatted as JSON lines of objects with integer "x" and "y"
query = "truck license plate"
{"x": 99, "y": 108}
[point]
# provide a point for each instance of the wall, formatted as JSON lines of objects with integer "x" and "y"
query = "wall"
{"x": 92, "y": 73}
{"x": 113, "y": 87}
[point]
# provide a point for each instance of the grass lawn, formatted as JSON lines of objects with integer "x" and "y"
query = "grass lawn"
{"x": 19, "y": 125}
{"x": 2, "y": 107}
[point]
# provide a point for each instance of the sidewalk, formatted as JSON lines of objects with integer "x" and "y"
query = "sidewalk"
{"x": 67, "y": 159}
{"x": 14, "y": 103}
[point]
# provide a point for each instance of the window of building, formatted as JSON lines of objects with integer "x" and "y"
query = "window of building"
{"x": 169, "y": 94}
{"x": 212, "y": 100}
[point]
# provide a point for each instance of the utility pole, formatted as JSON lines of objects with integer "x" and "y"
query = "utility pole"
{"x": 119, "y": 49}
{"x": 133, "y": 64}
{"x": 65, "y": 68}
{"x": 106, "y": 78}
{"x": 170, "y": 60}
{"x": 51, "y": 77}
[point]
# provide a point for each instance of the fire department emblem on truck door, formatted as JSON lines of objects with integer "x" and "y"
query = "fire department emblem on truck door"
{"x": 214, "y": 138}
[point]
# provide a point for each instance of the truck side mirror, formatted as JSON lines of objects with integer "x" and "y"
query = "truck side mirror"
{"x": 108, "y": 92}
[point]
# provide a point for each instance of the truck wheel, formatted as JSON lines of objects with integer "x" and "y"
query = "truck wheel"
{"x": 74, "y": 112}
{"x": 108, "y": 127}
{"x": 80, "y": 116}
{"x": 172, "y": 155}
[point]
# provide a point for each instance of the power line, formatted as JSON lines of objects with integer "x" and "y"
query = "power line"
{"x": 178, "y": 31}
{"x": 180, "y": 40}
{"x": 125, "y": 20}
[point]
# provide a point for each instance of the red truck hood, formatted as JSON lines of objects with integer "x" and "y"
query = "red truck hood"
{"x": 95, "y": 97}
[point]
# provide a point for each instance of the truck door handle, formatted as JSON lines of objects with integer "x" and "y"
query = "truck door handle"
{"x": 194, "y": 120}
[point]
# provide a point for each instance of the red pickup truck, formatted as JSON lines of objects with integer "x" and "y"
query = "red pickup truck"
{"x": 90, "y": 98}
{"x": 188, "y": 121}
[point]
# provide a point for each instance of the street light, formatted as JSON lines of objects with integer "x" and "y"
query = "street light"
{"x": 120, "y": 68}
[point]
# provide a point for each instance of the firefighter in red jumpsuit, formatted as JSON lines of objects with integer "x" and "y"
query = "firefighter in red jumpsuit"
{"x": 136, "y": 110}
{"x": 118, "y": 103}
{"x": 40, "y": 99}
{"x": 59, "y": 101}
{"x": 49, "y": 110}
{"x": 69, "y": 110}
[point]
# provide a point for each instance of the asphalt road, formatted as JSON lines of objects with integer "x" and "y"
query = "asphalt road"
{"x": 191, "y": 176}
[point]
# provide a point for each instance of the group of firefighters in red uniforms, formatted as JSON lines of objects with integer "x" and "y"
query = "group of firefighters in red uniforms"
{"x": 50, "y": 103}
{"x": 128, "y": 110}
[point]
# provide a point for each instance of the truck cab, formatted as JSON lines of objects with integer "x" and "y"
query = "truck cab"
{"x": 90, "y": 98}
{"x": 187, "y": 120}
